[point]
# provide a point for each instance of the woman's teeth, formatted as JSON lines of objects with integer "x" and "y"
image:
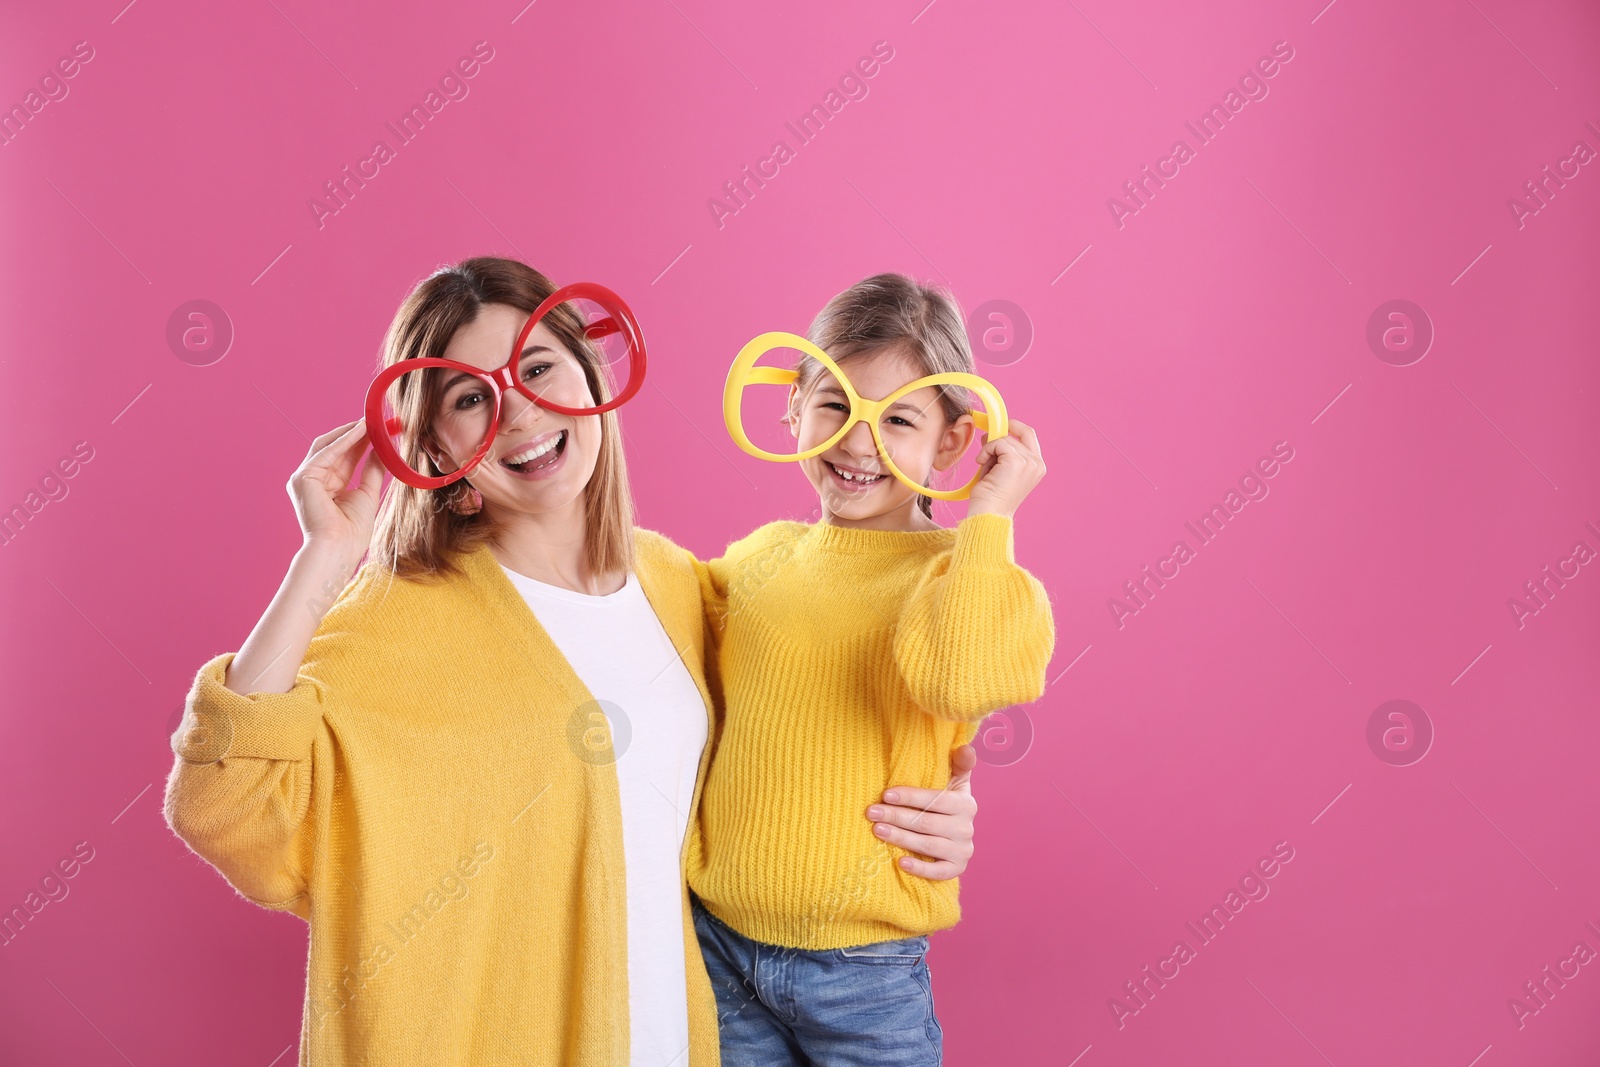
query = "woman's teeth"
{"x": 529, "y": 456}
{"x": 856, "y": 477}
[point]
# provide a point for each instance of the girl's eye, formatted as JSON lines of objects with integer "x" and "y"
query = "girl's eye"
{"x": 896, "y": 420}
{"x": 836, "y": 405}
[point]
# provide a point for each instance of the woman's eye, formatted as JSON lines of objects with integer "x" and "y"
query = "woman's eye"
{"x": 534, "y": 370}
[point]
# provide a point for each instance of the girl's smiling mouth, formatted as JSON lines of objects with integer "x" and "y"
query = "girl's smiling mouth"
{"x": 853, "y": 478}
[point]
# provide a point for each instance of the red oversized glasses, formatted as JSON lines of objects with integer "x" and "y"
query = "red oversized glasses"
{"x": 461, "y": 403}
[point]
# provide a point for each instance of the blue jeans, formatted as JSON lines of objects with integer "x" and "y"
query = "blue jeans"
{"x": 870, "y": 1005}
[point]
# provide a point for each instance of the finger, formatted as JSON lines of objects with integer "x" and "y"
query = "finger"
{"x": 962, "y": 762}
{"x": 934, "y": 823}
{"x": 934, "y": 848}
{"x": 340, "y": 470}
{"x": 1026, "y": 434}
{"x": 995, "y": 455}
{"x": 1020, "y": 433}
{"x": 1005, "y": 446}
{"x": 986, "y": 459}
{"x": 371, "y": 475}
{"x": 352, "y": 442}
{"x": 342, "y": 454}
{"x": 1018, "y": 459}
{"x": 333, "y": 435}
{"x": 1019, "y": 447}
{"x": 331, "y": 467}
{"x": 941, "y": 801}
{"x": 942, "y": 871}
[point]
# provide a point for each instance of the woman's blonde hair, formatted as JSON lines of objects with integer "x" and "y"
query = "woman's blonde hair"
{"x": 417, "y": 532}
{"x": 894, "y": 313}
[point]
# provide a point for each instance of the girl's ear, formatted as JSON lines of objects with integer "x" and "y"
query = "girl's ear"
{"x": 791, "y": 415}
{"x": 957, "y": 438}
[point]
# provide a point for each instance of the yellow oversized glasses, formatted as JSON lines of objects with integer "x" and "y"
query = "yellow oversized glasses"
{"x": 760, "y": 420}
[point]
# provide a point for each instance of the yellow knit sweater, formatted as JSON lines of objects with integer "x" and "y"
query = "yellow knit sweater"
{"x": 417, "y": 800}
{"x": 850, "y": 660}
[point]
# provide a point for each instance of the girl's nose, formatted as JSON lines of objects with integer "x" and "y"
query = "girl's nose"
{"x": 858, "y": 441}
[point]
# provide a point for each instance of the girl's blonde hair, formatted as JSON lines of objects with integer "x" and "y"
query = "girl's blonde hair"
{"x": 894, "y": 313}
{"x": 417, "y": 532}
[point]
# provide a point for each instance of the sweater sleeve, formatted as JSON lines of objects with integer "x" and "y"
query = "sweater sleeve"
{"x": 239, "y": 793}
{"x": 977, "y": 635}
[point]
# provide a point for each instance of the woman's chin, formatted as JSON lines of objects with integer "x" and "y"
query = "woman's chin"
{"x": 533, "y": 496}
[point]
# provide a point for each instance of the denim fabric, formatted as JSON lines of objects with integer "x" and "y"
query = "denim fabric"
{"x": 865, "y": 1005}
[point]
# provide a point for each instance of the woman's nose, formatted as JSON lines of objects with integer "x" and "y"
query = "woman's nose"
{"x": 515, "y": 409}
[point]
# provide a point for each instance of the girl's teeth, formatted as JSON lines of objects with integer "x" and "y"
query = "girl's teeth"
{"x": 850, "y": 476}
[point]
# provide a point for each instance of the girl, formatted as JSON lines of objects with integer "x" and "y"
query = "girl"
{"x": 863, "y": 657}
{"x": 415, "y": 772}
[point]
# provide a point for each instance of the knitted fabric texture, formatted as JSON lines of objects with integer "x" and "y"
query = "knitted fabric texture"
{"x": 424, "y": 799}
{"x": 850, "y": 660}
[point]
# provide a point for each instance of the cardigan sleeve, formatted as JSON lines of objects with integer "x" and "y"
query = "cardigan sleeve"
{"x": 713, "y": 575}
{"x": 239, "y": 794}
{"x": 977, "y": 634}
{"x": 240, "y": 789}
{"x": 713, "y": 578}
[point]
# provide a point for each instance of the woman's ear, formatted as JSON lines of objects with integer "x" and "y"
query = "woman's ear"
{"x": 435, "y": 455}
{"x": 954, "y": 443}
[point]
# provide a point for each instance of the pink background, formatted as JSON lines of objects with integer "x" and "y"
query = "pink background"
{"x": 1228, "y": 314}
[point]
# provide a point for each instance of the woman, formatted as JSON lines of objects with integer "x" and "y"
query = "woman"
{"x": 413, "y": 769}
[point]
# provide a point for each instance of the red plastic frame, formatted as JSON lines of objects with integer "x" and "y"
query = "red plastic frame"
{"x": 620, "y": 319}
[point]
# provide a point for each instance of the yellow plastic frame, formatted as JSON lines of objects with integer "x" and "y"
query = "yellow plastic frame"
{"x": 744, "y": 373}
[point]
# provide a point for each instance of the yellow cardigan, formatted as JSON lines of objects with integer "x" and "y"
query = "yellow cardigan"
{"x": 422, "y": 800}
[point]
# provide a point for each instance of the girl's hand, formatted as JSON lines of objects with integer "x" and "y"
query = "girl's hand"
{"x": 328, "y": 512}
{"x": 1010, "y": 467}
{"x": 936, "y": 823}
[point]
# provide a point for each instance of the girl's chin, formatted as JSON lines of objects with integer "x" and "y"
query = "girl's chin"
{"x": 860, "y": 508}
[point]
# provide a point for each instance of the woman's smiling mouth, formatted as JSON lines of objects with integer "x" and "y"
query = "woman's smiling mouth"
{"x": 539, "y": 457}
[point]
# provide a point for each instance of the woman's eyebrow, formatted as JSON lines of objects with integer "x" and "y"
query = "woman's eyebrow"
{"x": 462, "y": 376}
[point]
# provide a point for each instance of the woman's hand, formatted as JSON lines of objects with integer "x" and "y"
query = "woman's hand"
{"x": 1010, "y": 467}
{"x": 337, "y": 524}
{"x": 328, "y": 512}
{"x": 936, "y": 823}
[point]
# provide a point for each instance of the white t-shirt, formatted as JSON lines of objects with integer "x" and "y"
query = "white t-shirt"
{"x": 619, "y": 650}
